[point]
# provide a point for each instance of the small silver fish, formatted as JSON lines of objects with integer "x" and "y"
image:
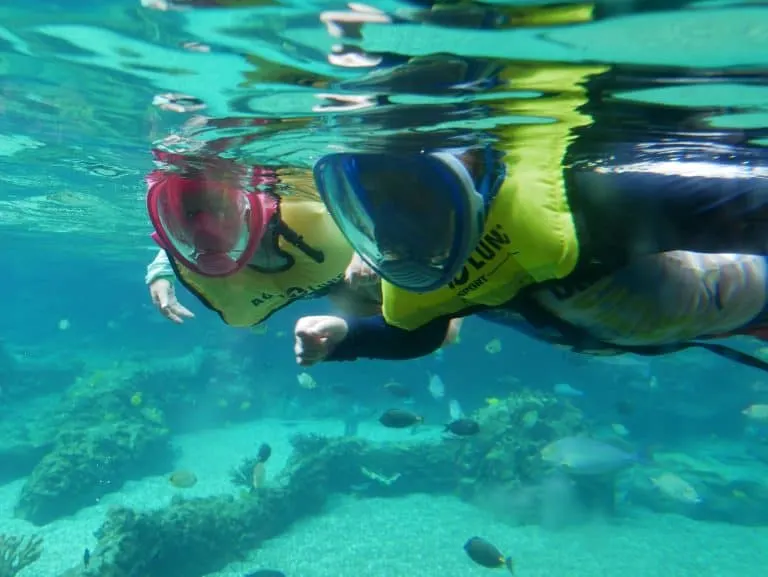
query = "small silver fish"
{"x": 436, "y": 387}
{"x": 455, "y": 410}
{"x": 566, "y": 390}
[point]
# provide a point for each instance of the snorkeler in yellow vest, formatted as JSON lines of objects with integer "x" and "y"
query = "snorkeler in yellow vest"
{"x": 458, "y": 231}
{"x": 244, "y": 254}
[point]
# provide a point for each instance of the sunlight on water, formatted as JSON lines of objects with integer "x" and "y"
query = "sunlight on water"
{"x": 281, "y": 83}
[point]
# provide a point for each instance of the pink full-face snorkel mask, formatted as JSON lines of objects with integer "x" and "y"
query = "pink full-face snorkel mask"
{"x": 212, "y": 228}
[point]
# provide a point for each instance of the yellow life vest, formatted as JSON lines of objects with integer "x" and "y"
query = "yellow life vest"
{"x": 250, "y": 296}
{"x": 472, "y": 14}
{"x": 530, "y": 234}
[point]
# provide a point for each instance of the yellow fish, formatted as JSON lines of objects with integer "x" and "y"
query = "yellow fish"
{"x": 676, "y": 488}
{"x": 183, "y": 479}
{"x": 530, "y": 419}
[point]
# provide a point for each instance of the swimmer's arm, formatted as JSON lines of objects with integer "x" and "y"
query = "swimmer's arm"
{"x": 159, "y": 268}
{"x": 373, "y": 338}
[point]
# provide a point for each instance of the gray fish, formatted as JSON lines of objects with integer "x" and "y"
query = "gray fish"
{"x": 584, "y": 456}
{"x": 566, "y": 390}
{"x": 487, "y": 555}
{"x": 398, "y": 390}
{"x": 400, "y": 419}
{"x": 266, "y": 573}
{"x": 463, "y": 427}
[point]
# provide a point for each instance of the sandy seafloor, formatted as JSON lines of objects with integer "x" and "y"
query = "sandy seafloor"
{"x": 415, "y": 536}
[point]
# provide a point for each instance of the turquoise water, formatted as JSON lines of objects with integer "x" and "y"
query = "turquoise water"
{"x": 102, "y": 398}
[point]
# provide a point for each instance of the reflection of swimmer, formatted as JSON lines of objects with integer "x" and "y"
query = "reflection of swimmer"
{"x": 533, "y": 213}
{"x": 434, "y": 72}
{"x": 245, "y": 254}
{"x": 176, "y": 102}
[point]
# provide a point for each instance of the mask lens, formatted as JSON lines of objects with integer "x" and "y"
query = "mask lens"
{"x": 399, "y": 213}
{"x": 210, "y": 232}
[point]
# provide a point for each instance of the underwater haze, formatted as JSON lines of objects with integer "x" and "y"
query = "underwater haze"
{"x": 132, "y": 446}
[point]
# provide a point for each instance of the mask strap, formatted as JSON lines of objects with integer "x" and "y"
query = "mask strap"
{"x": 298, "y": 241}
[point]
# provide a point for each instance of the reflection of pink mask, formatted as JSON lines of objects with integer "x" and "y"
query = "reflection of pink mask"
{"x": 209, "y": 244}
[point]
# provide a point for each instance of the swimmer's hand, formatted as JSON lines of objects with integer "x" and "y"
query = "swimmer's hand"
{"x": 316, "y": 337}
{"x": 164, "y": 299}
{"x": 359, "y": 274}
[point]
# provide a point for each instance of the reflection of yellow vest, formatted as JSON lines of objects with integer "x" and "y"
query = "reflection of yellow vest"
{"x": 529, "y": 235}
{"x": 546, "y": 15}
{"x": 472, "y": 14}
{"x": 250, "y": 296}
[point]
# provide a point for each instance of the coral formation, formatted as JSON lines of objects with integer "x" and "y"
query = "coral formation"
{"x": 17, "y": 553}
{"x": 111, "y": 425}
{"x": 37, "y": 413}
{"x": 732, "y": 490}
{"x": 193, "y": 537}
{"x": 242, "y": 475}
{"x": 102, "y": 442}
{"x": 197, "y": 536}
{"x": 512, "y": 434}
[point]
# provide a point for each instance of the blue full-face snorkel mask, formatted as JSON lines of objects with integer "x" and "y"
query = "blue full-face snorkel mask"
{"x": 414, "y": 218}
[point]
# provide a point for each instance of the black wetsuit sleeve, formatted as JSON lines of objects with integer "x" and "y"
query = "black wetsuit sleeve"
{"x": 646, "y": 200}
{"x": 373, "y": 338}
